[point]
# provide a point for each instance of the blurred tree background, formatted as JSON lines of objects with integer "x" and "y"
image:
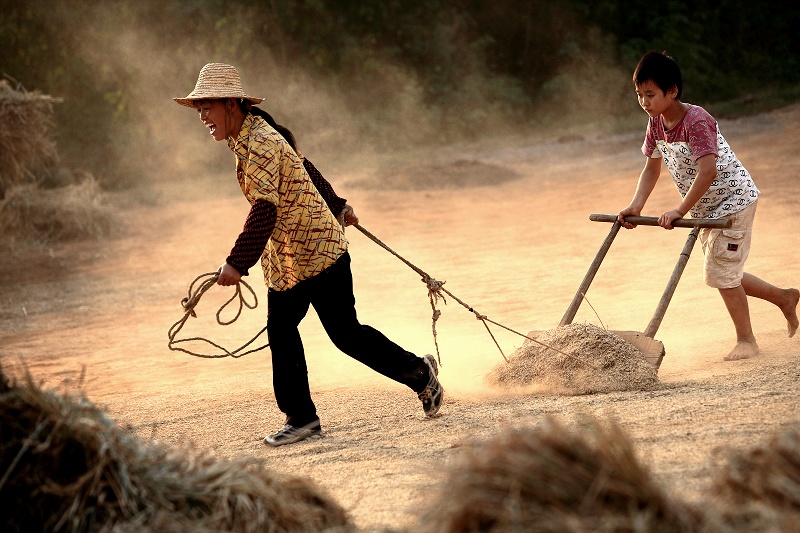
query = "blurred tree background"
{"x": 402, "y": 72}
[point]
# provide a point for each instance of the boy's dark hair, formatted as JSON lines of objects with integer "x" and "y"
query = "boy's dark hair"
{"x": 659, "y": 68}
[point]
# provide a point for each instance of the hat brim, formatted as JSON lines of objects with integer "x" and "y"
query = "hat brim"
{"x": 191, "y": 100}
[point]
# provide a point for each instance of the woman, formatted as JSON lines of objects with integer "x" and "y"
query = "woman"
{"x": 293, "y": 228}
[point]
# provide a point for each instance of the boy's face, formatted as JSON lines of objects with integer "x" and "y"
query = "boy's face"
{"x": 653, "y": 100}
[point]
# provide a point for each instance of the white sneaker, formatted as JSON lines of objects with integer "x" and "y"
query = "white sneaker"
{"x": 433, "y": 393}
{"x": 289, "y": 434}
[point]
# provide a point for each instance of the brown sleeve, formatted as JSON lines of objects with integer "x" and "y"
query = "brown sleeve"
{"x": 254, "y": 236}
{"x": 335, "y": 203}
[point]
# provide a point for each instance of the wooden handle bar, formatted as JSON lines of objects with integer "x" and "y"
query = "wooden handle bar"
{"x": 653, "y": 221}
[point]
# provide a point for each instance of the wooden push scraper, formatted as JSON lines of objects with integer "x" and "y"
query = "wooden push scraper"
{"x": 652, "y": 349}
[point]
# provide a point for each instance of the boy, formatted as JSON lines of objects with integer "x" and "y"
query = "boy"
{"x": 713, "y": 184}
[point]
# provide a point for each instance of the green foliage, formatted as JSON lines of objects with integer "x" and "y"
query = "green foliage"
{"x": 400, "y": 72}
{"x": 725, "y": 47}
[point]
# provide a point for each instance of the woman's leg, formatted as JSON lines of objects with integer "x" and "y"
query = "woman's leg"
{"x": 331, "y": 295}
{"x": 289, "y": 370}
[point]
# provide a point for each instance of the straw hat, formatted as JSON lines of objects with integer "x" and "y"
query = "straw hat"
{"x": 217, "y": 80}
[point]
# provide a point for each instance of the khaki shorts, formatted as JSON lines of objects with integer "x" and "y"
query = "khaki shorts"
{"x": 726, "y": 250}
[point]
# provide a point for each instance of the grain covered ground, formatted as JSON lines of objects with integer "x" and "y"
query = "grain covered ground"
{"x": 511, "y": 237}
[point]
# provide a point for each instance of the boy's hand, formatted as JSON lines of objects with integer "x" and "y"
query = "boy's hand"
{"x": 666, "y": 219}
{"x": 628, "y": 211}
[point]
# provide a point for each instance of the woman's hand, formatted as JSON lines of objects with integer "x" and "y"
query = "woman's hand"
{"x": 228, "y": 275}
{"x": 350, "y": 217}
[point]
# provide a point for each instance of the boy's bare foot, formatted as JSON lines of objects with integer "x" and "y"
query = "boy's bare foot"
{"x": 790, "y": 311}
{"x": 743, "y": 350}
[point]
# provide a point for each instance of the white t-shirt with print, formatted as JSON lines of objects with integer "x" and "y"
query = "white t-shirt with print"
{"x": 696, "y": 135}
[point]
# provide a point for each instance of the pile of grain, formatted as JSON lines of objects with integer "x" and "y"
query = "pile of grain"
{"x": 576, "y": 359}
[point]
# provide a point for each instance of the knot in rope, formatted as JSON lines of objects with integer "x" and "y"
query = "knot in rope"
{"x": 190, "y": 302}
{"x": 434, "y": 288}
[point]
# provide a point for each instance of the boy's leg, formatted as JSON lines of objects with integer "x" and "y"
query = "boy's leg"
{"x": 736, "y": 301}
{"x": 785, "y": 299}
{"x": 725, "y": 252}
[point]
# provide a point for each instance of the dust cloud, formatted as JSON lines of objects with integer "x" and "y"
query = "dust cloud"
{"x": 360, "y": 127}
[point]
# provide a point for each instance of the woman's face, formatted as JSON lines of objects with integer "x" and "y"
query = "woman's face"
{"x": 215, "y": 116}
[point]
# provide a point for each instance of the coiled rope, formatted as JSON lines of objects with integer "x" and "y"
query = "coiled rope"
{"x": 197, "y": 288}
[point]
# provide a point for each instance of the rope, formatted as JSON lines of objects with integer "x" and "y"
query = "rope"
{"x": 204, "y": 282}
{"x": 435, "y": 290}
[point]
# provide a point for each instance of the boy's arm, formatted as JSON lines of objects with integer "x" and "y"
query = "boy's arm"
{"x": 647, "y": 182}
{"x": 706, "y": 173}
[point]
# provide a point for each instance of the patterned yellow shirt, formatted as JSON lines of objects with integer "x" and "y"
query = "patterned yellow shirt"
{"x": 307, "y": 238}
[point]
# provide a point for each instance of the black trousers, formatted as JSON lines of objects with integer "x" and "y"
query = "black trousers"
{"x": 331, "y": 294}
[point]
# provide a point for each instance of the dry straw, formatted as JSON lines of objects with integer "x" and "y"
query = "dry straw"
{"x": 25, "y": 144}
{"x": 762, "y": 485}
{"x": 72, "y": 212}
{"x": 553, "y": 479}
{"x": 29, "y": 213}
{"x": 618, "y": 365}
{"x": 65, "y": 466}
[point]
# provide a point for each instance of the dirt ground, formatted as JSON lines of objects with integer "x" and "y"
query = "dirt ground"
{"x": 95, "y": 315}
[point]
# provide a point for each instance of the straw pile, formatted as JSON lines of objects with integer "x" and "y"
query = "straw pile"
{"x": 767, "y": 476}
{"x": 551, "y": 479}
{"x": 585, "y": 359}
{"x": 72, "y": 212}
{"x": 29, "y": 211}
{"x": 24, "y": 140}
{"x": 64, "y": 466}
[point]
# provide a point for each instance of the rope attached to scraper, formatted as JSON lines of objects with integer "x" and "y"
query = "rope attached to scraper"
{"x": 197, "y": 288}
{"x": 435, "y": 290}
